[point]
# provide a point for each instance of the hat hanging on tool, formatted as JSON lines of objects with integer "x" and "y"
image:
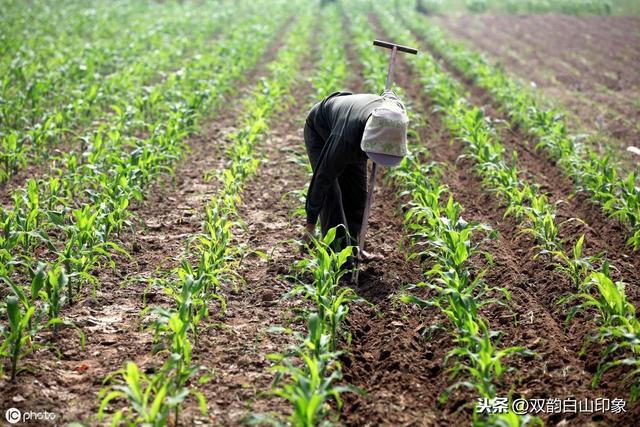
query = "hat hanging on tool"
{"x": 385, "y": 133}
{"x": 385, "y": 142}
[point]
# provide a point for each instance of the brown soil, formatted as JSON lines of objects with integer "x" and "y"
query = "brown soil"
{"x": 392, "y": 356}
{"x": 397, "y": 351}
{"x": 587, "y": 64}
{"x": 237, "y": 351}
{"x": 532, "y": 318}
{"x": 602, "y": 234}
{"x": 112, "y": 319}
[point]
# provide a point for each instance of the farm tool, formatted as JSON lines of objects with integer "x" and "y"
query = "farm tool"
{"x": 395, "y": 48}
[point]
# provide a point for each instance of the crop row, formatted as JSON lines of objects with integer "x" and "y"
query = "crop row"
{"x": 45, "y": 104}
{"x": 53, "y": 245}
{"x": 591, "y": 276}
{"x": 618, "y": 196}
{"x": 194, "y": 285}
{"x": 308, "y": 373}
{"x": 439, "y": 234}
{"x": 570, "y": 7}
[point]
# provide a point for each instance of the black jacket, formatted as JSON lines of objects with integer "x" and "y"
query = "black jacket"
{"x": 339, "y": 121}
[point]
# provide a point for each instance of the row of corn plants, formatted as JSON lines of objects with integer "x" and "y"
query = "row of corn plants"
{"x": 590, "y": 275}
{"x": 31, "y": 33}
{"x": 209, "y": 260}
{"x": 80, "y": 174}
{"x": 308, "y": 372}
{"x": 99, "y": 173}
{"x": 330, "y": 77}
{"x": 46, "y": 227}
{"x": 569, "y": 7}
{"x": 438, "y": 233}
{"x": 597, "y": 176}
{"x": 49, "y": 98}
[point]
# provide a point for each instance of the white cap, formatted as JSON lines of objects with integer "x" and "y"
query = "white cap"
{"x": 385, "y": 133}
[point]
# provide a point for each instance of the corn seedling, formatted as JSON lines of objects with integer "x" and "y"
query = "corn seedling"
{"x": 536, "y": 213}
{"x": 307, "y": 374}
{"x": 311, "y": 377}
{"x": 439, "y": 234}
{"x": 598, "y": 177}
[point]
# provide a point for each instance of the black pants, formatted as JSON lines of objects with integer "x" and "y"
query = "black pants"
{"x": 353, "y": 186}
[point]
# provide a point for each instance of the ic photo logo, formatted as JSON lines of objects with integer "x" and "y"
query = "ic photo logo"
{"x": 13, "y": 415}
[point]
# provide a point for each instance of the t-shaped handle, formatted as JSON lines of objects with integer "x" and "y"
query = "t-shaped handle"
{"x": 392, "y": 61}
{"x": 372, "y": 180}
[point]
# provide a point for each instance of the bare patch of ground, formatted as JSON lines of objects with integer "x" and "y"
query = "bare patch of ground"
{"x": 588, "y": 65}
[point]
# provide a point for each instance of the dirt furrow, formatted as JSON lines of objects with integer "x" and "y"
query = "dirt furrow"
{"x": 526, "y": 30}
{"x": 237, "y": 350}
{"x": 393, "y": 355}
{"x": 112, "y": 319}
{"x": 397, "y": 350}
{"x": 534, "y": 286}
{"x": 608, "y": 113}
{"x": 600, "y": 93}
{"x": 606, "y": 84}
{"x": 602, "y": 234}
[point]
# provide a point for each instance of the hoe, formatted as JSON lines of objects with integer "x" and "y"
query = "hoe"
{"x": 395, "y": 48}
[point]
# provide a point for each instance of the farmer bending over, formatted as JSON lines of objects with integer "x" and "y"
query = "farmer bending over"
{"x": 340, "y": 133}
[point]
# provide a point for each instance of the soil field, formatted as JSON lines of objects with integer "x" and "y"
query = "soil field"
{"x": 587, "y": 65}
{"x": 401, "y": 383}
{"x": 258, "y": 356}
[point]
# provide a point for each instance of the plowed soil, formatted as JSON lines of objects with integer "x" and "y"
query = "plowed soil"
{"x": 233, "y": 346}
{"x": 397, "y": 351}
{"x": 400, "y": 359}
{"x": 588, "y": 65}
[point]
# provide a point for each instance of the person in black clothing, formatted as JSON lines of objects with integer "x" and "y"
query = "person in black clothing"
{"x": 341, "y": 132}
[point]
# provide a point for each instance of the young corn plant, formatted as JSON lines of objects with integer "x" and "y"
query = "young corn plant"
{"x": 618, "y": 196}
{"x": 51, "y": 289}
{"x": 310, "y": 373}
{"x": 307, "y": 375}
{"x": 180, "y": 362}
{"x": 576, "y": 266}
{"x": 440, "y": 235}
{"x": 618, "y": 326}
{"x": 18, "y": 335}
{"x": 149, "y": 396}
{"x": 30, "y": 310}
{"x": 12, "y": 157}
{"x": 189, "y": 296}
{"x": 167, "y": 389}
{"x": 152, "y": 398}
{"x": 323, "y": 288}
